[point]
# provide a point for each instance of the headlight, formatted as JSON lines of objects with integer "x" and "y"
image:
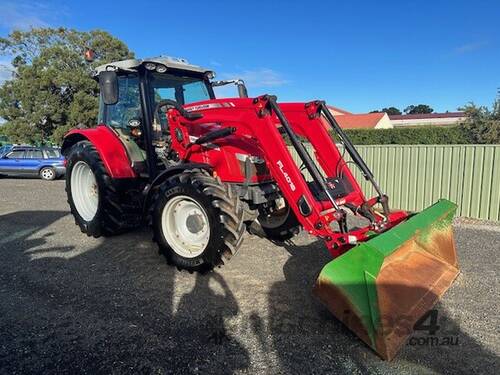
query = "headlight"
{"x": 161, "y": 68}
{"x": 150, "y": 66}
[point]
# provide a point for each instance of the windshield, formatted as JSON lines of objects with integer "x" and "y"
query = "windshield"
{"x": 4, "y": 150}
{"x": 182, "y": 89}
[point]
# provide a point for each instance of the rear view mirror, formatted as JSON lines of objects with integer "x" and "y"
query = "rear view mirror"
{"x": 108, "y": 83}
{"x": 242, "y": 89}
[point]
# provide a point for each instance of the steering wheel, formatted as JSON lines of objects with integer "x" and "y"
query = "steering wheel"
{"x": 173, "y": 104}
{"x": 159, "y": 105}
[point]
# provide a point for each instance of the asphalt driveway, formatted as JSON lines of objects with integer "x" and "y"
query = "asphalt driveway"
{"x": 73, "y": 304}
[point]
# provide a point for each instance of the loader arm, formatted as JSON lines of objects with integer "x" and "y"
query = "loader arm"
{"x": 311, "y": 122}
{"x": 307, "y": 123}
{"x": 313, "y": 202}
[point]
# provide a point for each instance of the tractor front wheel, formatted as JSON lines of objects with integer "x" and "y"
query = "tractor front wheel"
{"x": 93, "y": 197}
{"x": 197, "y": 221}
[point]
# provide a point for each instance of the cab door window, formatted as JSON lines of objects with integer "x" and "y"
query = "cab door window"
{"x": 128, "y": 106}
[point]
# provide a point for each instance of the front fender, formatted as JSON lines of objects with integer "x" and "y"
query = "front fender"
{"x": 108, "y": 145}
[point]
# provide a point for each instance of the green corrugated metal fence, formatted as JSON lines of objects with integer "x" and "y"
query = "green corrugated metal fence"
{"x": 415, "y": 176}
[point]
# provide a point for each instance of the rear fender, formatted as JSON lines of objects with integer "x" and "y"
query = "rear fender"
{"x": 108, "y": 145}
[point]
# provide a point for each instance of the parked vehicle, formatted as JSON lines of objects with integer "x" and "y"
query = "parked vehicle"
{"x": 47, "y": 163}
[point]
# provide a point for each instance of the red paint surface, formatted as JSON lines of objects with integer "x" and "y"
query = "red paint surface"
{"x": 110, "y": 149}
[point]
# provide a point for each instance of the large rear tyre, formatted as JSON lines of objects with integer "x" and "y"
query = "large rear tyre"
{"x": 197, "y": 221}
{"x": 93, "y": 198}
{"x": 280, "y": 225}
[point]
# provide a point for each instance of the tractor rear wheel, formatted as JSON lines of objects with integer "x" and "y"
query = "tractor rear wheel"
{"x": 197, "y": 221}
{"x": 93, "y": 197}
{"x": 280, "y": 225}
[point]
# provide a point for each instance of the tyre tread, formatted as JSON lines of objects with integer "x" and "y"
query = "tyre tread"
{"x": 115, "y": 217}
{"x": 228, "y": 208}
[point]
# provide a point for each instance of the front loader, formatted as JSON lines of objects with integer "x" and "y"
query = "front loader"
{"x": 199, "y": 170}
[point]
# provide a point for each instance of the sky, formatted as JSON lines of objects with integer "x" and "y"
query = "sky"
{"x": 356, "y": 55}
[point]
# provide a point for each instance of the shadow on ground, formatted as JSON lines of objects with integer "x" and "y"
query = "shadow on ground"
{"x": 109, "y": 306}
{"x": 108, "y": 309}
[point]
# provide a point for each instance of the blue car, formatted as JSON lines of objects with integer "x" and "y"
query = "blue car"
{"x": 47, "y": 163}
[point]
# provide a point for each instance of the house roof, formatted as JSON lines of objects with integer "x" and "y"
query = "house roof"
{"x": 361, "y": 121}
{"x": 338, "y": 110}
{"x": 419, "y": 116}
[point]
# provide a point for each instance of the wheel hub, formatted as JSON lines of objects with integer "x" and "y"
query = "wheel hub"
{"x": 47, "y": 173}
{"x": 185, "y": 226}
{"x": 195, "y": 223}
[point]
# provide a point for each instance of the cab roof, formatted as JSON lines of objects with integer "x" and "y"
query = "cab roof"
{"x": 132, "y": 64}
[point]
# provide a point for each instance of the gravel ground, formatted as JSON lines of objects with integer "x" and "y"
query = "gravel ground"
{"x": 73, "y": 304}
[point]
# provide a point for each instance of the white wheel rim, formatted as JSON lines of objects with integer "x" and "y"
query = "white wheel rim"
{"x": 47, "y": 173}
{"x": 276, "y": 219}
{"x": 185, "y": 226}
{"x": 84, "y": 190}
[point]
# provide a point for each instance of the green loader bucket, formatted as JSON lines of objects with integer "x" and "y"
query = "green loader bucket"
{"x": 380, "y": 288}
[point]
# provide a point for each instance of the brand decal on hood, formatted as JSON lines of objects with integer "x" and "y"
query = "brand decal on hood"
{"x": 202, "y": 107}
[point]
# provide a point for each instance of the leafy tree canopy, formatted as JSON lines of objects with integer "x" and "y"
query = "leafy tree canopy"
{"x": 418, "y": 109}
{"x": 483, "y": 124}
{"x": 52, "y": 89}
{"x": 389, "y": 111}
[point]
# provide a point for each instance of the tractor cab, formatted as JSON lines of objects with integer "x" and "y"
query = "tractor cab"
{"x": 135, "y": 95}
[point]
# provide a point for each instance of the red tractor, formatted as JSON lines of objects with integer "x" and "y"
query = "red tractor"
{"x": 201, "y": 169}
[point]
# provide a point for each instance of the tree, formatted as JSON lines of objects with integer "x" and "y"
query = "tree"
{"x": 389, "y": 111}
{"x": 52, "y": 89}
{"x": 421, "y": 108}
{"x": 482, "y": 124}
